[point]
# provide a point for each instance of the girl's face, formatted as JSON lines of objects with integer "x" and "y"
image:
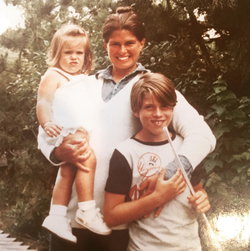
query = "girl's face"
{"x": 124, "y": 50}
{"x": 153, "y": 116}
{"x": 72, "y": 56}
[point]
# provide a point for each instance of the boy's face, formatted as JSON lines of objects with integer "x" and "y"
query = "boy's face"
{"x": 154, "y": 116}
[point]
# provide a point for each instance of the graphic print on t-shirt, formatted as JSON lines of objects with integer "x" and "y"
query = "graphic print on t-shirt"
{"x": 147, "y": 165}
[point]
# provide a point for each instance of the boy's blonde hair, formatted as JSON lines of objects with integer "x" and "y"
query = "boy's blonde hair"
{"x": 153, "y": 83}
{"x": 61, "y": 36}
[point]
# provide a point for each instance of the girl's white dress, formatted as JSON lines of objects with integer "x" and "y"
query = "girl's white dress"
{"x": 72, "y": 108}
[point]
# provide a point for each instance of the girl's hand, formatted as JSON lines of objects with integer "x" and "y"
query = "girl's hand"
{"x": 199, "y": 201}
{"x": 52, "y": 129}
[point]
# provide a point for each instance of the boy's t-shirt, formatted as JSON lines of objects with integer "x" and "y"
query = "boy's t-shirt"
{"x": 131, "y": 163}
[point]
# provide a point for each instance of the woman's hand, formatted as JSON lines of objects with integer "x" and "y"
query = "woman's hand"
{"x": 74, "y": 150}
{"x": 199, "y": 200}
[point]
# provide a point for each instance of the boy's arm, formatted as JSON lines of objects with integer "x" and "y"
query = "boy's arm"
{"x": 199, "y": 140}
{"x": 117, "y": 211}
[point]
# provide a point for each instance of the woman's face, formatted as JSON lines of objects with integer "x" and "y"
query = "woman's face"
{"x": 124, "y": 50}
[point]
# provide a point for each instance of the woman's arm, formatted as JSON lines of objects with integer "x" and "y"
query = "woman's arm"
{"x": 199, "y": 140}
{"x": 74, "y": 151}
{"x": 117, "y": 211}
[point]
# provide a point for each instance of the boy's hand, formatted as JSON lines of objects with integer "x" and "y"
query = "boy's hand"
{"x": 199, "y": 201}
{"x": 167, "y": 189}
{"x": 170, "y": 188}
{"x": 52, "y": 129}
{"x": 148, "y": 186}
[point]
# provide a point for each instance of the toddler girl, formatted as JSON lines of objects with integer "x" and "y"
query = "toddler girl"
{"x": 63, "y": 88}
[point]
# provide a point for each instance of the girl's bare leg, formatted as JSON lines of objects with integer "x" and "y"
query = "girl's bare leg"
{"x": 85, "y": 181}
{"x": 57, "y": 221}
{"x": 63, "y": 187}
{"x": 88, "y": 215}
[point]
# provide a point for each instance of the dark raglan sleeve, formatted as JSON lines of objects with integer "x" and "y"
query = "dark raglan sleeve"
{"x": 197, "y": 175}
{"x": 120, "y": 175}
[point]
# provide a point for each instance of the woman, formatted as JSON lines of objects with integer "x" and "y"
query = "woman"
{"x": 124, "y": 39}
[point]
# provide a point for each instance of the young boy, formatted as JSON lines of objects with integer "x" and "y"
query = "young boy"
{"x": 153, "y": 99}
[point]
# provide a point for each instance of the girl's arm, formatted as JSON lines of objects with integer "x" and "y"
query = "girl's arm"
{"x": 46, "y": 91}
{"x": 199, "y": 140}
{"x": 74, "y": 151}
{"x": 117, "y": 211}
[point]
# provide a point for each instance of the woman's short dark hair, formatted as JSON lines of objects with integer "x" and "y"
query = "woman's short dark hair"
{"x": 123, "y": 19}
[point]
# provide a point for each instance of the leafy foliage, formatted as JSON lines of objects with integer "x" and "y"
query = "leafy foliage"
{"x": 230, "y": 118}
